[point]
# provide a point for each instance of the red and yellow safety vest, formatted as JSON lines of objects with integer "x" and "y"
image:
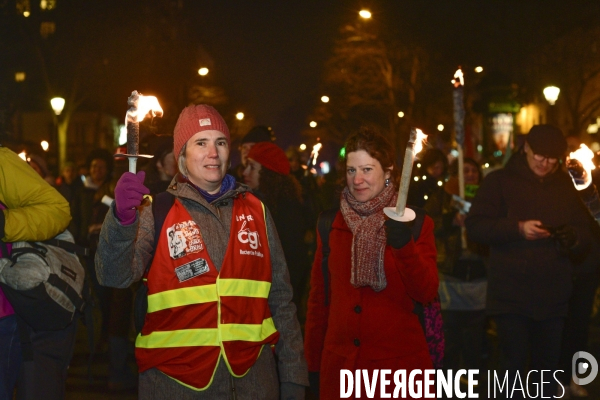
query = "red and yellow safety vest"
{"x": 197, "y": 314}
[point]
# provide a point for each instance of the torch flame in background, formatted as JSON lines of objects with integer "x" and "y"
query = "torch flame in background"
{"x": 459, "y": 79}
{"x": 585, "y": 156}
{"x": 421, "y": 139}
{"x": 145, "y": 105}
{"x": 315, "y": 152}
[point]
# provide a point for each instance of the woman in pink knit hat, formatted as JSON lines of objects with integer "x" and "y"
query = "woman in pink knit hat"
{"x": 219, "y": 318}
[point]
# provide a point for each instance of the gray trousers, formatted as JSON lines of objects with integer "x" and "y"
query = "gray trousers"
{"x": 260, "y": 383}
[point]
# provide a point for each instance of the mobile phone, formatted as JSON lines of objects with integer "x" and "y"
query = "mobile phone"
{"x": 551, "y": 229}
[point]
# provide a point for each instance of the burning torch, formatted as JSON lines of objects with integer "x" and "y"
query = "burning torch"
{"x": 580, "y": 166}
{"x": 413, "y": 147}
{"x": 140, "y": 106}
{"x": 312, "y": 159}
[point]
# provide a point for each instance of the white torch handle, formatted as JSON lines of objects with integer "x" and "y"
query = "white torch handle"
{"x": 132, "y": 164}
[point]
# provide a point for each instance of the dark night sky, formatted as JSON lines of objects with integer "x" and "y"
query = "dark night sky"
{"x": 269, "y": 54}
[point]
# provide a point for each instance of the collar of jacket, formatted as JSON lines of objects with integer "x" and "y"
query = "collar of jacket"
{"x": 518, "y": 165}
{"x": 181, "y": 188}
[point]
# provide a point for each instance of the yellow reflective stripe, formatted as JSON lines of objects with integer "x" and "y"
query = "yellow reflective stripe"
{"x": 182, "y": 297}
{"x": 248, "y": 332}
{"x": 179, "y": 338}
{"x": 244, "y": 287}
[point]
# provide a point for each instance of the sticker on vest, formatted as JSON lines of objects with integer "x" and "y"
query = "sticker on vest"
{"x": 252, "y": 238}
{"x": 192, "y": 269}
{"x": 184, "y": 238}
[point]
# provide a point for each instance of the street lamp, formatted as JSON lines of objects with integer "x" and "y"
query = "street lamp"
{"x": 551, "y": 94}
{"x": 365, "y": 14}
{"x": 57, "y": 104}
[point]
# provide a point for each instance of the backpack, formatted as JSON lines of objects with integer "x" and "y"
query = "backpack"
{"x": 161, "y": 205}
{"x": 430, "y": 314}
{"x": 44, "y": 281}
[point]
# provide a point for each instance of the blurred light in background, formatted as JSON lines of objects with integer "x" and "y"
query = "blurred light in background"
{"x": 313, "y": 124}
{"x": 122, "y": 135}
{"x": 366, "y": 14}
{"x": 302, "y": 147}
{"x": 325, "y": 99}
{"x": 324, "y": 165}
{"x": 240, "y": 116}
{"x": 44, "y": 145}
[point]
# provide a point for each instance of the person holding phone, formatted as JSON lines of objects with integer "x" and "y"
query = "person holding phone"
{"x": 530, "y": 215}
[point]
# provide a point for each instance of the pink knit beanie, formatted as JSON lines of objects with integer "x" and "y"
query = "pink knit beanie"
{"x": 194, "y": 119}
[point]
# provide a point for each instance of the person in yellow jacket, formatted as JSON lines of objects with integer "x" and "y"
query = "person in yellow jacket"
{"x": 31, "y": 210}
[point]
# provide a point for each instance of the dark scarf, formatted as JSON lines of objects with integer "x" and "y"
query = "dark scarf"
{"x": 365, "y": 220}
{"x": 227, "y": 184}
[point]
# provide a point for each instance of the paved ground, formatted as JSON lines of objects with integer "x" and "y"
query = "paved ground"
{"x": 80, "y": 387}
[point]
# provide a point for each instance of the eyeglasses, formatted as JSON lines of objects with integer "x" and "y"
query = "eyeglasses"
{"x": 541, "y": 158}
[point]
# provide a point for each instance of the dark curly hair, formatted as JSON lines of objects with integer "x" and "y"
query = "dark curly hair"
{"x": 377, "y": 146}
{"x": 276, "y": 188}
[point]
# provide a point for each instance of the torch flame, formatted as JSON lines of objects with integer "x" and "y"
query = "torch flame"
{"x": 144, "y": 106}
{"x": 315, "y": 152}
{"x": 421, "y": 139}
{"x": 584, "y": 155}
{"x": 459, "y": 79}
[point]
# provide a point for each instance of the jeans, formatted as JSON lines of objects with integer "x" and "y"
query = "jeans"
{"x": 10, "y": 356}
{"x": 519, "y": 337}
{"x": 44, "y": 377}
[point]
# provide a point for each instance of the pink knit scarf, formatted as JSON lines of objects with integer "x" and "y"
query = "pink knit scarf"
{"x": 368, "y": 243}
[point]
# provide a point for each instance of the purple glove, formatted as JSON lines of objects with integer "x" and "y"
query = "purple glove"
{"x": 129, "y": 193}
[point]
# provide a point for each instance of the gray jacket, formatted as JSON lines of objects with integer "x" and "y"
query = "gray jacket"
{"x": 125, "y": 251}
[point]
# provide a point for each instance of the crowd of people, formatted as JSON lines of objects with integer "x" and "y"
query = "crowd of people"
{"x": 220, "y": 260}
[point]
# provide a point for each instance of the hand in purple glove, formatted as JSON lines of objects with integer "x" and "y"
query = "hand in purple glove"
{"x": 129, "y": 193}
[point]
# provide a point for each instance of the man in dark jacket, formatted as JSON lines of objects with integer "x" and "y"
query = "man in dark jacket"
{"x": 532, "y": 219}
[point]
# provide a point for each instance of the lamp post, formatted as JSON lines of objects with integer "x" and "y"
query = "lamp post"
{"x": 58, "y": 105}
{"x": 551, "y": 94}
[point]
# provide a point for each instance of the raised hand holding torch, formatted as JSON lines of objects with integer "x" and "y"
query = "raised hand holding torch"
{"x": 413, "y": 147}
{"x": 130, "y": 190}
{"x": 140, "y": 106}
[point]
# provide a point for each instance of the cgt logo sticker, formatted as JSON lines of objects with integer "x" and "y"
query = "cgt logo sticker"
{"x": 581, "y": 367}
{"x": 246, "y": 236}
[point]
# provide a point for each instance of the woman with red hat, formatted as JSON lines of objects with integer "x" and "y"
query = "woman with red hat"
{"x": 219, "y": 306}
{"x": 267, "y": 173}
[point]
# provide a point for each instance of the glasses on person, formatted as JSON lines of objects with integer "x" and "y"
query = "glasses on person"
{"x": 541, "y": 158}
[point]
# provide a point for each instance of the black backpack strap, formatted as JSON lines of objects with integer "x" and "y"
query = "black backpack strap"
{"x": 16, "y": 253}
{"x": 324, "y": 224}
{"x": 67, "y": 289}
{"x": 70, "y": 247}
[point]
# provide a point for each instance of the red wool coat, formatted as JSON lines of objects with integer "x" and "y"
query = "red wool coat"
{"x": 364, "y": 329}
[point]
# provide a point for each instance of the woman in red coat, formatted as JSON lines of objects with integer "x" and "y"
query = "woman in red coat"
{"x": 376, "y": 271}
